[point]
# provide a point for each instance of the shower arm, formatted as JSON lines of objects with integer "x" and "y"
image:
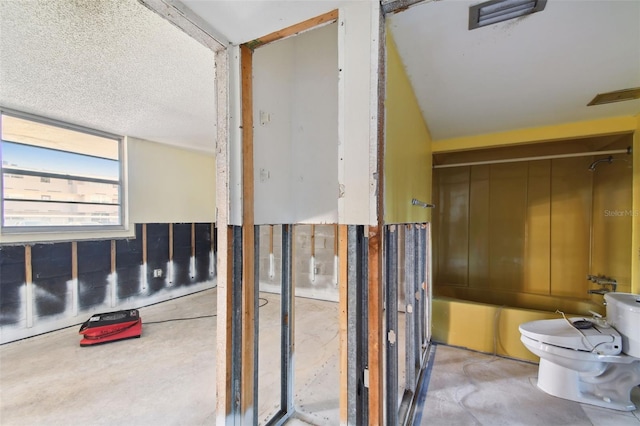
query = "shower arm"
{"x": 417, "y": 202}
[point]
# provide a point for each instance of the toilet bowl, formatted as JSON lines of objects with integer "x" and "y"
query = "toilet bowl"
{"x": 591, "y": 361}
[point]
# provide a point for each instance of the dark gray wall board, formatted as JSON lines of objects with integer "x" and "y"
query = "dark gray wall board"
{"x": 182, "y": 254}
{"x": 94, "y": 268}
{"x": 12, "y": 277}
{"x": 51, "y": 266}
{"x": 56, "y": 298}
{"x": 128, "y": 265}
{"x": 51, "y": 261}
{"x": 12, "y": 264}
{"x": 157, "y": 256}
{"x": 203, "y": 252}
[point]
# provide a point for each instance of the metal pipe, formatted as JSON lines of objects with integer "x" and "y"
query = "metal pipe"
{"x": 417, "y": 202}
{"x": 543, "y": 157}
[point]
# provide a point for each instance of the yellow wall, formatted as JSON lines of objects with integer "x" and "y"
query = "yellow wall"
{"x": 407, "y": 159}
{"x": 170, "y": 184}
{"x": 581, "y": 129}
{"x": 617, "y": 239}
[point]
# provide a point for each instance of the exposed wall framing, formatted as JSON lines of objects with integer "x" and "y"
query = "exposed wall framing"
{"x": 376, "y": 344}
{"x": 243, "y": 358}
{"x": 406, "y": 258}
{"x": 49, "y": 286}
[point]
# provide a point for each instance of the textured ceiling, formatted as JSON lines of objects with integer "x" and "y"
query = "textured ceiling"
{"x": 119, "y": 67}
{"x": 112, "y": 65}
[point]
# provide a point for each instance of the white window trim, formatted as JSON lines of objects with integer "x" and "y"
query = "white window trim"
{"x": 126, "y": 229}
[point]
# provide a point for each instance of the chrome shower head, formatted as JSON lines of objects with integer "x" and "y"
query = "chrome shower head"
{"x": 593, "y": 165}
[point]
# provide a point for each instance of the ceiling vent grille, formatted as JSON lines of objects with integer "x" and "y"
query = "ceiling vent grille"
{"x": 616, "y": 96}
{"x": 495, "y": 11}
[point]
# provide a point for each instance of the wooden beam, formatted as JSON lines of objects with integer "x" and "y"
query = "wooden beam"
{"x": 170, "y": 241}
{"x": 248, "y": 260}
{"x": 74, "y": 260}
{"x": 376, "y": 395}
{"x": 114, "y": 279}
{"x": 74, "y": 278}
{"x": 326, "y": 18}
{"x": 144, "y": 243}
{"x": 341, "y": 243}
{"x": 313, "y": 240}
{"x": 193, "y": 240}
{"x": 375, "y": 256}
{"x": 113, "y": 256}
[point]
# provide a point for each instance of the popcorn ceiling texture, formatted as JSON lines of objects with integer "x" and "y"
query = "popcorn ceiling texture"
{"x": 111, "y": 65}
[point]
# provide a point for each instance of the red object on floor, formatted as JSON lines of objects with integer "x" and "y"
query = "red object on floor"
{"x": 111, "y": 326}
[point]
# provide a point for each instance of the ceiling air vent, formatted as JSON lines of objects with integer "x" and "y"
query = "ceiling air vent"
{"x": 616, "y": 96}
{"x": 494, "y": 11}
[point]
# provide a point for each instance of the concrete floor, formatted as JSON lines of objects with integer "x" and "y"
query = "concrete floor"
{"x": 167, "y": 377}
{"x": 471, "y": 388}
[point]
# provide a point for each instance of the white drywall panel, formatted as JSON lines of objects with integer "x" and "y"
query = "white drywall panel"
{"x": 314, "y": 131}
{"x": 170, "y": 184}
{"x": 273, "y": 73}
{"x": 295, "y": 129}
{"x": 358, "y": 62}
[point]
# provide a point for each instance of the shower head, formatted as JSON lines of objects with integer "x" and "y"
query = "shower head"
{"x": 593, "y": 165}
{"x": 610, "y": 159}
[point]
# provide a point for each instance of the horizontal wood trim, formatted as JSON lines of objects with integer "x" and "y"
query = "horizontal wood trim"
{"x": 294, "y": 29}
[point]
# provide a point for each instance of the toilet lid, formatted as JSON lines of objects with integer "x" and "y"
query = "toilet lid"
{"x": 557, "y": 332}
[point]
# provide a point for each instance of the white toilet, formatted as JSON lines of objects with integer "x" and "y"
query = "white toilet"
{"x": 592, "y": 361}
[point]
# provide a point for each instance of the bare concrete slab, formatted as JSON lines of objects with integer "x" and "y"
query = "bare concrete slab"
{"x": 167, "y": 376}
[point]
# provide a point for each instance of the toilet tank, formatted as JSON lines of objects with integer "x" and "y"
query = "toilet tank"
{"x": 623, "y": 313}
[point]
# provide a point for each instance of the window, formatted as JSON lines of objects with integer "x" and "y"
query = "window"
{"x": 57, "y": 176}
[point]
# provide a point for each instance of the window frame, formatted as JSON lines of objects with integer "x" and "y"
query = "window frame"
{"x": 122, "y": 182}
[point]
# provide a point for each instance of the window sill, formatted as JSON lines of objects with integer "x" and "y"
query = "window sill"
{"x": 53, "y": 236}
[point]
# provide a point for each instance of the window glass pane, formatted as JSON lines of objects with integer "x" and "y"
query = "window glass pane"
{"x": 29, "y": 132}
{"x": 58, "y": 175}
{"x": 25, "y": 187}
{"x": 44, "y": 160}
{"x": 29, "y": 213}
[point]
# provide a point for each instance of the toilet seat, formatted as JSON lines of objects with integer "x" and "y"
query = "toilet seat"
{"x": 559, "y": 333}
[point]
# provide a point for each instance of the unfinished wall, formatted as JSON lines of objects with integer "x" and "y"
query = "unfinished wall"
{"x": 296, "y": 129}
{"x": 315, "y": 261}
{"x": 407, "y": 161}
{"x": 170, "y": 251}
{"x": 50, "y": 286}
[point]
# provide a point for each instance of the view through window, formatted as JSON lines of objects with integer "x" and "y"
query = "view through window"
{"x": 57, "y": 176}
